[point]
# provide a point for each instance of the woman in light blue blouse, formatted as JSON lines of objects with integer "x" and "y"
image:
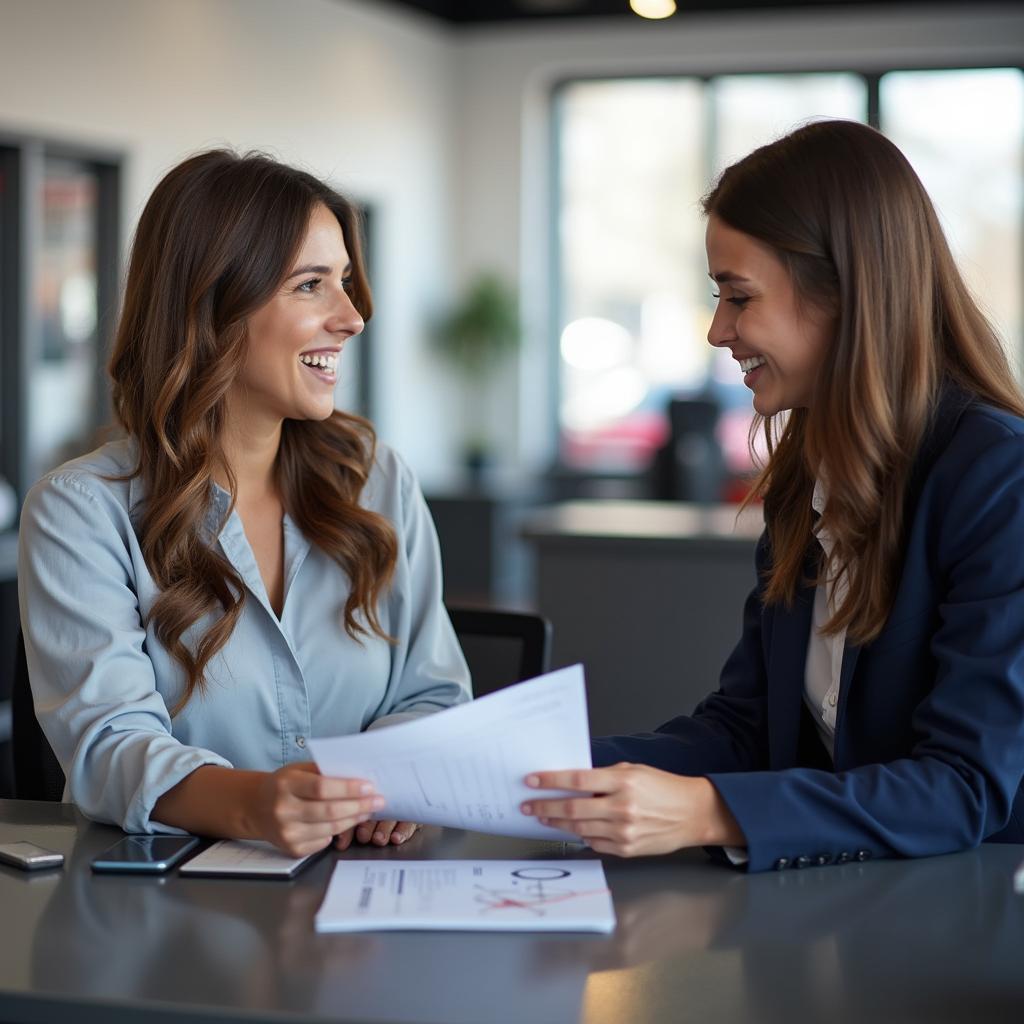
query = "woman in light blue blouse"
{"x": 247, "y": 568}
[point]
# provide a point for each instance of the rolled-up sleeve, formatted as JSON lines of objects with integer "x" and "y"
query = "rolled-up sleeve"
{"x": 429, "y": 671}
{"x": 92, "y": 682}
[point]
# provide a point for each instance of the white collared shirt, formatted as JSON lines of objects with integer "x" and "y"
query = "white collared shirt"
{"x": 824, "y": 653}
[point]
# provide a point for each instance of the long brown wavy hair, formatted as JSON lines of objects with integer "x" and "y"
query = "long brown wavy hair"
{"x": 215, "y": 241}
{"x": 842, "y": 209}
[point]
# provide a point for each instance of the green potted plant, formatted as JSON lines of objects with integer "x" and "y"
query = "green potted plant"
{"x": 475, "y": 337}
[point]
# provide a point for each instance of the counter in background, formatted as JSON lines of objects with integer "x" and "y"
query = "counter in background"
{"x": 648, "y": 595}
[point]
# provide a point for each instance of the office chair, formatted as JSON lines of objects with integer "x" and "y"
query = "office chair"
{"x": 501, "y": 648}
{"x": 37, "y": 772}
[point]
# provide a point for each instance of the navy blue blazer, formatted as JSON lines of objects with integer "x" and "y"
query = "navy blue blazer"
{"x": 929, "y": 744}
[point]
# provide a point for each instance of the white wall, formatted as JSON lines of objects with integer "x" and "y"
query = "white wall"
{"x": 506, "y": 78}
{"x": 349, "y": 90}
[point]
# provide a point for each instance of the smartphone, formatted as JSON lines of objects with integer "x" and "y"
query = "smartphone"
{"x": 29, "y": 857}
{"x": 147, "y": 854}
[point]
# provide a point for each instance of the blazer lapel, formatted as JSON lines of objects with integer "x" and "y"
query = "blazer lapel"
{"x": 791, "y": 630}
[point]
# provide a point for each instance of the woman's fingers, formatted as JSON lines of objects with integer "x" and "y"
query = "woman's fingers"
{"x": 582, "y": 780}
{"x": 365, "y": 830}
{"x": 344, "y": 840}
{"x": 590, "y": 829}
{"x": 404, "y": 830}
{"x": 312, "y": 811}
{"x": 312, "y": 786}
{"x": 571, "y": 808}
{"x": 380, "y": 833}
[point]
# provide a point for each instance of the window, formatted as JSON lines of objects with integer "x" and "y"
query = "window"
{"x": 58, "y": 283}
{"x": 962, "y": 131}
{"x": 634, "y": 157}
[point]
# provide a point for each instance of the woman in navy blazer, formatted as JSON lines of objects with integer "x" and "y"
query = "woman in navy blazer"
{"x": 874, "y": 705}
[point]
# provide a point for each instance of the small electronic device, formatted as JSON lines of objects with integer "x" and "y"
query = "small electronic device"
{"x": 147, "y": 854}
{"x": 29, "y": 857}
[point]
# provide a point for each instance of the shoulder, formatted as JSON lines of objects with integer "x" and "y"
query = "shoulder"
{"x": 985, "y": 440}
{"x": 974, "y": 494}
{"x": 981, "y": 425}
{"x": 98, "y": 479}
{"x": 391, "y": 484}
{"x": 97, "y": 472}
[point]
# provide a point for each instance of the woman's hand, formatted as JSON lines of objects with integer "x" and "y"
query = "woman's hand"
{"x": 300, "y": 811}
{"x": 380, "y": 833}
{"x": 634, "y": 810}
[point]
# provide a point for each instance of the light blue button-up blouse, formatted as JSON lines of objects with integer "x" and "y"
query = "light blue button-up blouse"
{"x": 103, "y": 682}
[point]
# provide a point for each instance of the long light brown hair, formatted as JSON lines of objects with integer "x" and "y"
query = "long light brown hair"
{"x": 842, "y": 209}
{"x": 215, "y": 241}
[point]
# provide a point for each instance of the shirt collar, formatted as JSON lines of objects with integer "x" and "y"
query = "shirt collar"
{"x": 820, "y": 496}
{"x": 216, "y": 511}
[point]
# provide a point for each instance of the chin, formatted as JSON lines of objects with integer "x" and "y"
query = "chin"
{"x": 324, "y": 413}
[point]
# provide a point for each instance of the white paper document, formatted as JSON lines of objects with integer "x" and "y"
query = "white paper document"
{"x": 1018, "y": 879}
{"x": 467, "y": 895}
{"x": 244, "y": 857}
{"x": 464, "y": 767}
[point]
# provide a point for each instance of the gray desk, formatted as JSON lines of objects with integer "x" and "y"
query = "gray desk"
{"x": 648, "y": 595}
{"x": 938, "y": 940}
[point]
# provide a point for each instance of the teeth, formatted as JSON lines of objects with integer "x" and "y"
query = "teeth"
{"x": 746, "y": 365}
{"x": 321, "y": 361}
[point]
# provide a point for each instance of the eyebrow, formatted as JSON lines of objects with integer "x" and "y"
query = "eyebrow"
{"x": 728, "y": 277}
{"x": 318, "y": 269}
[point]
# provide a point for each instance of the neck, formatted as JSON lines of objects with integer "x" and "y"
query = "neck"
{"x": 250, "y": 452}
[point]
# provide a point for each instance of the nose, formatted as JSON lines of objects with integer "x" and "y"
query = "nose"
{"x": 345, "y": 318}
{"x": 722, "y": 330}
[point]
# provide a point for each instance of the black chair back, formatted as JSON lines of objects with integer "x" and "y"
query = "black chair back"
{"x": 502, "y": 647}
{"x": 37, "y": 772}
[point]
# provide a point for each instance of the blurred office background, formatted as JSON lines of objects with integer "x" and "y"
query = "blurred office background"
{"x": 558, "y": 146}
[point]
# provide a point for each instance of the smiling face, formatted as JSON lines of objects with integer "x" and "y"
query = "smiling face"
{"x": 778, "y": 342}
{"x": 295, "y": 339}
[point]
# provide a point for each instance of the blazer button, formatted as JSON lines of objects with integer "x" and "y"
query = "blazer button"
{"x": 863, "y": 855}
{"x": 822, "y": 859}
{"x": 843, "y": 858}
{"x": 802, "y": 862}
{"x": 781, "y": 864}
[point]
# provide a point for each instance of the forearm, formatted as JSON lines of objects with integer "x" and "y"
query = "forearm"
{"x": 212, "y": 801}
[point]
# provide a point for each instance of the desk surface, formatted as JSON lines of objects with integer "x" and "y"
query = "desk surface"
{"x": 936, "y": 940}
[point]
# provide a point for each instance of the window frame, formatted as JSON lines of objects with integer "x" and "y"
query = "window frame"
{"x": 22, "y": 157}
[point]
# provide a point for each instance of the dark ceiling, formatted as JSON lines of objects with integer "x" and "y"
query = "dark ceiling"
{"x": 466, "y": 12}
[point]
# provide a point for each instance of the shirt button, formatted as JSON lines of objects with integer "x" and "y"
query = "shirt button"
{"x": 832, "y": 700}
{"x": 300, "y": 741}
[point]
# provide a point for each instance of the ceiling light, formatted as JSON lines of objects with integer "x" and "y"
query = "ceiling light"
{"x": 653, "y": 8}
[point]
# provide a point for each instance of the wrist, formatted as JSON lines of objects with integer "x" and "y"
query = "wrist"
{"x": 722, "y": 828}
{"x": 243, "y": 808}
